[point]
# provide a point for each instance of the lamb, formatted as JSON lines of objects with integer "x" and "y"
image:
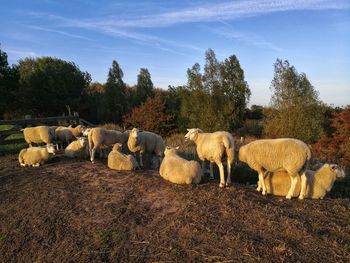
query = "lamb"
{"x": 102, "y": 137}
{"x": 36, "y": 156}
{"x": 120, "y": 161}
{"x": 68, "y": 134}
{"x": 214, "y": 147}
{"x": 272, "y": 155}
{"x": 78, "y": 148}
{"x": 318, "y": 183}
{"x": 146, "y": 142}
{"x": 179, "y": 170}
{"x": 38, "y": 134}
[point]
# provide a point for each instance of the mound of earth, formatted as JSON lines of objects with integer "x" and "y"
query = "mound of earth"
{"x": 72, "y": 210}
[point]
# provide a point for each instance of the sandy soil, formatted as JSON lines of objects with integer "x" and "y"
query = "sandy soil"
{"x": 72, "y": 210}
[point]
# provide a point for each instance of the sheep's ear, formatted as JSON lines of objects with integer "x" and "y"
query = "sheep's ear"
{"x": 188, "y": 129}
{"x": 177, "y": 147}
{"x": 168, "y": 147}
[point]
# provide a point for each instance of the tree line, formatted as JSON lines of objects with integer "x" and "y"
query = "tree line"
{"x": 214, "y": 98}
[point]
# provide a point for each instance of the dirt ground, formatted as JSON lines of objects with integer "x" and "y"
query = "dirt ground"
{"x": 72, "y": 210}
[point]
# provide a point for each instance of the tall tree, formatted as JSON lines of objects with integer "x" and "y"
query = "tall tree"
{"x": 115, "y": 94}
{"x": 217, "y": 99}
{"x": 296, "y": 110}
{"x": 48, "y": 84}
{"x": 144, "y": 87}
{"x": 8, "y": 86}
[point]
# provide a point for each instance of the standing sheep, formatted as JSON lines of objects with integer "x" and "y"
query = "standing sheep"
{"x": 318, "y": 183}
{"x": 102, "y": 137}
{"x": 78, "y": 149}
{"x": 178, "y": 170}
{"x": 120, "y": 161}
{"x": 146, "y": 142}
{"x": 68, "y": 134}
{"x": 214, "y": 147}
{"x": 39, "y": 134}
{"x": 272, "y": 155}
{"x": 35, "y": 156}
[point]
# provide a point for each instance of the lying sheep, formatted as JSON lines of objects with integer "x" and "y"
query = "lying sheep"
{"x": 146, "y": 142}
{"x": 39, "y": 134}
{"x": 318, "y": 183}
{"x": 102, "y": 137}
{"x": 36, "y": 156}
{"x": 214, "y": 147}
{"x": 178, "y": 170}
{"x": 120, "y": 161}
{"x": 78, "y": 149}
{"x": 68, "y": 134}
{"x": 272, "y": 155}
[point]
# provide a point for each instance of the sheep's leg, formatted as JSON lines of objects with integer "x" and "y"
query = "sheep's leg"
{"x": 36, "y": 165}
{"x": 259, "y": 186}
{"x": 293, "y": 184}
{"x": 222, "y": 175}
{"x": 228, "y": 180}
{"x": 141, "y": 163}
{"x": 92, "y": 155}
{"x": 23, "y": 164}
{"x": 261, "y": 179}
{"x": 303, "y": 181}
{"x": 212, "y": 172}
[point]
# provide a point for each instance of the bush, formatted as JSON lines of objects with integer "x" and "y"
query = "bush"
{"x": 150, "y": 116}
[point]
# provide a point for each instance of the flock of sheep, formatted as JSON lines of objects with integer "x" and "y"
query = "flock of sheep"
{"x": 280, "y": 163}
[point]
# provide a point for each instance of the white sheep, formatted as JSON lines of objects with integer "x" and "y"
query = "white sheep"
{"x": 272, "y": 155}
{"x": 38, "y": 134}
{"x": 102, "y": 137}
{"x": 35, "y": 156}
{"x": 120, "y": 161}
{"x": 179, "y": 170}
{"x": 146, "y": 142}
{"x": 214, "y": 147}
{"x": 318, "y": 183}
{"x": 78, "y": 149}
{"x": 68, "y": 134}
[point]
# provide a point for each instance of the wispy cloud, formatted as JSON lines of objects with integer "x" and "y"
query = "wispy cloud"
{"x": 249, "y": 38}
{"x": 17, "y": 53}
{"x": 60, "y": 32}
{"x": 223, "y": 11}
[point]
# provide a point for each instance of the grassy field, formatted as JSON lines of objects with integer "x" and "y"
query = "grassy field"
{"x": 13, "y": 147}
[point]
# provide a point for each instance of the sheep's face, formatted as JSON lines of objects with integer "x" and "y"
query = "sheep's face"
{"x": 134, "y": 134}
{"x": 86, "y": 131}
{"x": 192, "y": 134}
{"x": 170, "y": 150}
{"x": 117, "y": 147}
{"x": 339, "y": 172}
{"x": 82, "y": 141}
{"x": 50, "y": 148}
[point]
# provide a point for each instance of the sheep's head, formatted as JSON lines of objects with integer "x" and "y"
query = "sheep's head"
{"x": 117, "y": 147}
{"x": 86, "y": 131}
{"x": 192, "y": 134}
{"x": 170, "y": 150}
{"x": 83, "y": 141}
{"x": 134, "y": 134}
{"x": 337, "y": 170}
{"x": 50, "y": 148}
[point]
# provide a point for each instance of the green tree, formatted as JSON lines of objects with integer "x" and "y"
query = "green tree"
{"x": 217, "y": 99}
{"x": 8, "y": 86}
{"x": 144, "y": 87}
{"x": 295, "y": 109}
{"x": 115, "y": 94}
{"x": 48, "y": 84}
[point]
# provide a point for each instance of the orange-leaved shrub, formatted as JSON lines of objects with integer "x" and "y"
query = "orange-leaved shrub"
{"x": 335, "y": 147}
{"x": 150, "y": 116}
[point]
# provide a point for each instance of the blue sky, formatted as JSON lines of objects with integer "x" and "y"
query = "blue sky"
{"x": 167, "y": 37}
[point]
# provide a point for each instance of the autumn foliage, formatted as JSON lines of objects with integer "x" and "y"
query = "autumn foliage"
{"x": 335, "y": 147}
{"x": 150, "y": 116}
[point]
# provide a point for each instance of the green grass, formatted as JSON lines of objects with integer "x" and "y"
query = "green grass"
{"x": 13, "y": 147}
